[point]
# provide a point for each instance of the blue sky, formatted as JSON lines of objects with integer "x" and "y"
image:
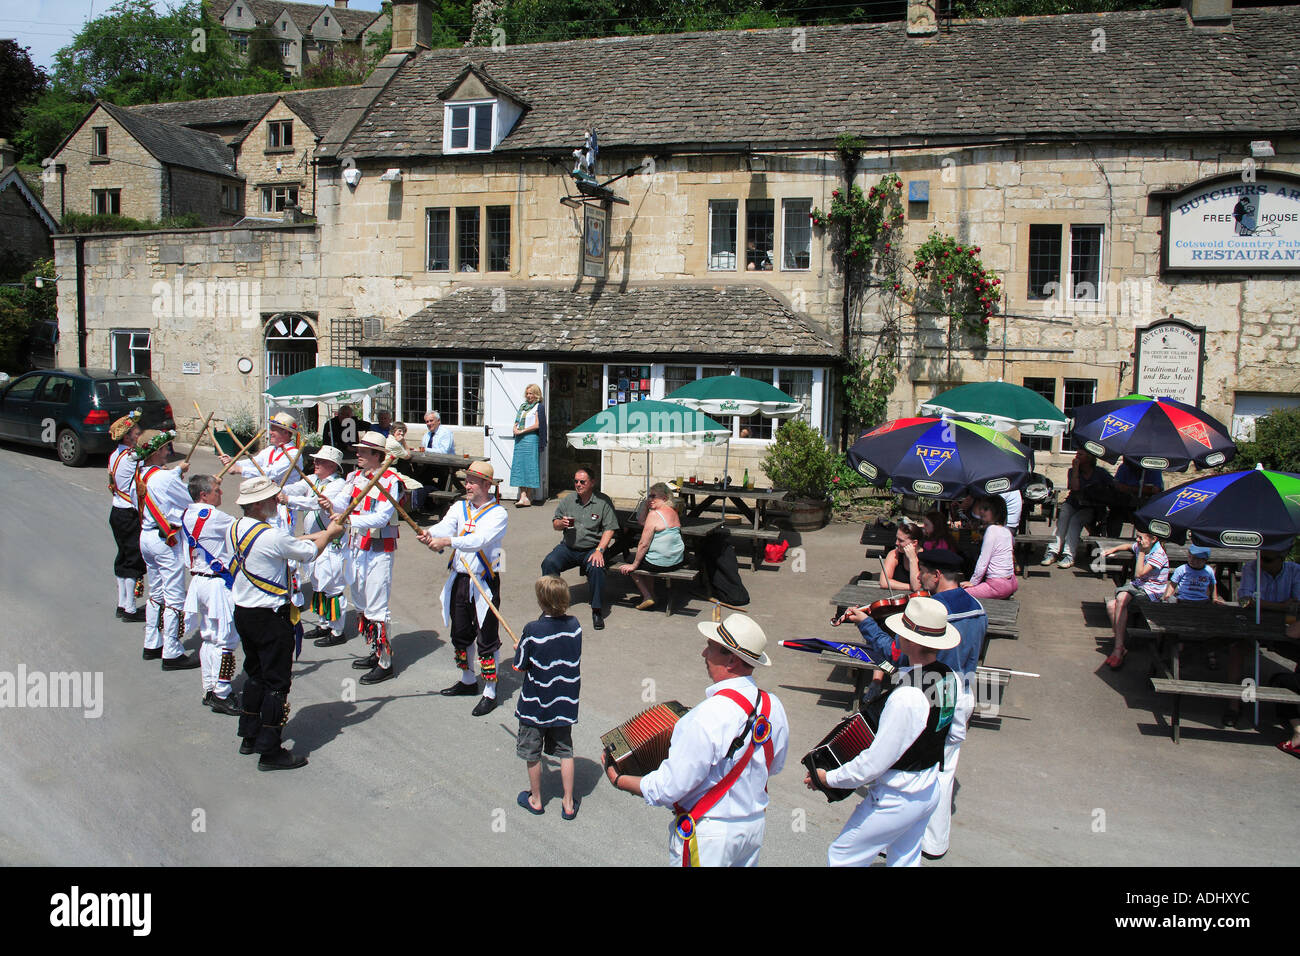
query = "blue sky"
{"x": 47, "y": 25}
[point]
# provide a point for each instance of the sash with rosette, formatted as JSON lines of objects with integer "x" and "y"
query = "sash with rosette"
{"x": 759, "y": 722}
{"x": 165, "y": 530}
{"x": 470, "y": 522}
{"x": 113, "y": 462}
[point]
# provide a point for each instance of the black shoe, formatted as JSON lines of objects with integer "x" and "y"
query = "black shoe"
{"x": 330, "y": 639}
{"x": 484, "y": 706}
{"x": 598, "y": 620}
{"x": 320, "y": 630}
{"x": 934, "y": 856}
{"x": 186, "y": 662}
{"x": 365, "y": 663}
{"x": 132, "y": 617}
{"x": 281, "y": 759}
{"x": 230, "y": 706}
{"x": 460, "y": 689}
{"x": 152, "y": 653}
{"x": 246, "y": 745}
{"x": 378, "y": 674}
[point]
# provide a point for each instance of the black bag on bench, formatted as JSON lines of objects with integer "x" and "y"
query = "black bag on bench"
{"x": 718, "y": 559}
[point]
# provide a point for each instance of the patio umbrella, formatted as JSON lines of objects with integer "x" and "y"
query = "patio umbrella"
{"x": 940, "y": 457}
{"x": 1001, "y": 406}
{"x": 734, "y": 395}
{"x": 647, "y": 426}
{"x": 1257, "y": 509}
{"x": 325, "y": 383}
{"x": 1157, "y": 433}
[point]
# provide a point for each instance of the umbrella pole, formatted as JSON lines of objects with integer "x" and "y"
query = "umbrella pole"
{"x": 726, "y": 464}
{"x": 1259, "y": 580}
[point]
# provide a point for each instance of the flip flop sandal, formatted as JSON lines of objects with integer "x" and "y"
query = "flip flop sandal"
{"x": 1289, "y": 748}
{"x": 1116, "y": 661}
{"x": 523, "y": 802}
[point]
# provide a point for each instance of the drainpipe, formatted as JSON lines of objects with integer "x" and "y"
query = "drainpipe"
{"x": 80, "y": 242}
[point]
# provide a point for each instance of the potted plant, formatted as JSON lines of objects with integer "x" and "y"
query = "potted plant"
{"x": 800, "y": 463}
{"x": 242, "y": 425}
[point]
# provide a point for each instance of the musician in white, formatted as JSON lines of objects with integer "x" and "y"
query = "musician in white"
{"x": 372, "y": 543}
{"x": 328, "y": 573}
{"x": 163, "y": 499}
{"x": 474, "y": 528}
{"x": 721, "y": 812}
{"x": 209, "y": 606}
{"x": 924, "y": 713}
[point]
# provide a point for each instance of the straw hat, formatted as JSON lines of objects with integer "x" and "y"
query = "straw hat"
{"x": 123, "y": 425}
{"x": 373, "y": 441}
{"x": 151, "y": 441}
{"x": 742, "y": 636}
{"x": 286, "y": 421}
{"x": 256, "y": 489}
{"x": 925, "y": 622}
{"x": 481, "y": 469}
{"x": 330, "y": 453}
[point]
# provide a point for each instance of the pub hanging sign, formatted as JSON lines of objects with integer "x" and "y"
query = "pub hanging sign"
{"x": 1239, "y": 222}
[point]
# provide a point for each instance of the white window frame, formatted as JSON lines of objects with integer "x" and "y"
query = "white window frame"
{"x": 818, "y": 414}
{"x": 472, "y": 146}
{"x": 396, "y": 398}
{"x": 269, "y": 197}
{"x": 286, "y": 48}
{"x": 139, "y": 340}
{"x": 781, "y": 266}
{"x": 1067, "y": 267}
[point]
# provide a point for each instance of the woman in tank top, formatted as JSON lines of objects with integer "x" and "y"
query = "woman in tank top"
{"x": 660, "y": 547}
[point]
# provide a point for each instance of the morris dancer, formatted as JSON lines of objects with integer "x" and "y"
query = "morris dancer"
{"x": 924, "y": 711}
{"x": 124, "y": 517}
{"x": 164, "y": 498}
{"x": 475, "y": 526}
{"x": 264, "y": 618}
{"x": 373, "y": 542}
{"x": 329, "y": 570}
{"x": 721, "y": 755}
{"x": 209, "y": 605}
{"x": 276, "y": 460}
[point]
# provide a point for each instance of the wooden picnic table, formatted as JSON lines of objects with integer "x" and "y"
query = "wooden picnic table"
{"x": 701, "y": 498}
{"x": 1227, "y": 562}
{"x": 1175, "y": 624}
{"x": 438, "y": 473}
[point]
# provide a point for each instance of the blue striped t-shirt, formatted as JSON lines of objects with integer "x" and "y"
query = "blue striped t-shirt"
{"x": 548, "y": 656}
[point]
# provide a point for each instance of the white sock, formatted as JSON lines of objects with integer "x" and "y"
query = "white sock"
{"x": 490, "y": 689}
{"x": 126, "y": 594}
{"x": 467, "y": 677}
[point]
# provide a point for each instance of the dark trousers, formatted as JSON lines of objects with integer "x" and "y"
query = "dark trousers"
{"x": 267, "y": 637}
{"x": 465, "y": 628}
{"x": 125, "y": 523}
{"x": 563, "y": 557}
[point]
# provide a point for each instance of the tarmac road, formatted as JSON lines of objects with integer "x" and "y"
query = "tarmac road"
{"x": 1081, "y": 770}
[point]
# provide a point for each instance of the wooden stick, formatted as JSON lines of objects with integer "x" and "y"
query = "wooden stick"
{"x": 202, "y": 432}
{"x": 239, "y": 454}
{"x": 388, "y": 460}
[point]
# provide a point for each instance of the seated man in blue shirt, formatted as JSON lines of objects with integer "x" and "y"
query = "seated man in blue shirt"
{"x": 437, "y": 439}
{"x": 940, "y": 575}
{"x": 1274, "y": 583}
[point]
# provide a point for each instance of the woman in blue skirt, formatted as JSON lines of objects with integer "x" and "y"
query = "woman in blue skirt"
{"x": 525, "y": 468}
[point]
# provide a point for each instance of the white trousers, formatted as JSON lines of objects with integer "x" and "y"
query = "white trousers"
{"x": 126, "y": 594}
{"x": 371, "y": 580}
{"x": 166, "y": 566}
{"x": 887, "y": 820}
{"x": 210, "y": 610}
{"x": 938, "y": 830}
{"x": 721, "y": 842}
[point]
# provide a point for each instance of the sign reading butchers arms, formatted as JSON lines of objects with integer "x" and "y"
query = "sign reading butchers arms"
{"x": 1234, "y": 223}
{"x": 1168, "y": 361}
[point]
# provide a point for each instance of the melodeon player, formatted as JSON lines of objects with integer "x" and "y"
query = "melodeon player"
{"x": 720, "y": 803}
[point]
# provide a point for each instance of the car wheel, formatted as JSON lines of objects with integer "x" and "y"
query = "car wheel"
{"x": 71, "y": 452}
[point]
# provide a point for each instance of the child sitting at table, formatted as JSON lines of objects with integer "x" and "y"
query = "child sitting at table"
{"x": 1150, "y": 578}
{"x": 1194, "y": 581}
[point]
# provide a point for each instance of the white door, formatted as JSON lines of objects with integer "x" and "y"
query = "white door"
{"x": 506, "y": 382}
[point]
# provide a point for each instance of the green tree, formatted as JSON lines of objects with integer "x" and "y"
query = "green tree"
{"x": 1276, "y": 445}
{"x": 20, "y": 309}
{"x": 22, "y": 80}
{"x": 264, "y": 50}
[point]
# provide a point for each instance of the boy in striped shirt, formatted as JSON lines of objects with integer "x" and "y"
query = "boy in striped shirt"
{"x": 548, "y": 656}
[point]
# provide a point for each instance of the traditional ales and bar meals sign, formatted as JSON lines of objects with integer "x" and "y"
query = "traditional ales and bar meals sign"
{"x": 1230, "y": 224}
{"x": 1168, "y": 361}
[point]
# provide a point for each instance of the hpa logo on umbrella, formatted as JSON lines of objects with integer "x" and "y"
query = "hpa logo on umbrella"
{"x": 1188, "y": 497}
{"x": 932, "y": 458}
{"x": 1113, "y": 426}
{"x": 1196, "y": 432}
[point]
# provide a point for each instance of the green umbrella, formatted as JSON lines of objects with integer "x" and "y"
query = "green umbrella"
{"x": 325, "y": 383}
{"x": 735, "y": 395}
{"x": 999, "y": 405}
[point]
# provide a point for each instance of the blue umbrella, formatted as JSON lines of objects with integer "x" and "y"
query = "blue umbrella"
{"x": 940, "y": 458}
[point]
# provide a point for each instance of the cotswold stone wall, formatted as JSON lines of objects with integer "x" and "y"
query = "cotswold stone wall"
{"x": 264, "y": 166}
{"x": 128, "y": 166}
{"x": 22, "y": 231}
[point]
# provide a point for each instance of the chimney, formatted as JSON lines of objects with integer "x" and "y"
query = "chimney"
{"x": 1209, "y": 13}
{"x": 292, "y": 213}
{"x": 341, "y": 4}
{"x": 412, "y": 25}
{"x": 922, "y": 21}
{"x": 7, "y": 155}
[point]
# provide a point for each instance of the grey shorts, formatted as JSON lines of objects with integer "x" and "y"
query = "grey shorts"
{"x": 1135, "y": 591}
{"x": 556, "y": 741}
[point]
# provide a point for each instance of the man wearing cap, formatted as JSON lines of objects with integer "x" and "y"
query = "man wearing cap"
{"x": 329, "y": 570}
{"x": 721, "y": 755}
{"x": 373, "y": 541}
{"x": 265, "y": 618}
{"x": 940, "y": 572}
{"x": 474, "y": 527}
{"x": 923, "y": 712}
{"x": 589, "y": 524}
{"x": 124, "y": 516}
{"x": 209, "y": 606}
{"x": 163, "y": 499}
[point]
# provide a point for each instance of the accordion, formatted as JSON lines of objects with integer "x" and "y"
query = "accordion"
{"x": 639, "y": 745}
{"x": 849, "y": 738}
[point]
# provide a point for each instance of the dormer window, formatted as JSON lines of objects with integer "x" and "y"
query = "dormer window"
{"x": 327, "y": 20}
{"x": 239, "y": 11}
{"x": 468, "y": 127}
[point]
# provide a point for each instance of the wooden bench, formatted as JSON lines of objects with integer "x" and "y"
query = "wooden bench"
{"x": 758, "y": 537}
{"x": 689, "y": 575}
{"x": 1003, "y": 614}
{"x": 1197, "y": 688}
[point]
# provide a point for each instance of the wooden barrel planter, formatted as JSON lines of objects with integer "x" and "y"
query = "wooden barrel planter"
{"x": 807, "y": 514}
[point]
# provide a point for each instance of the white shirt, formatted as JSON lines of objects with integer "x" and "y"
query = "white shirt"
{"x": 901, "y": 722}
{"x": 267, "y": 559}
{"x": 442, "y": 441}
{"x": 376, "y": 512}
{"x": 166, "y": 489}
{"x": 121, "y": 472}
{"x": 214, "y": 536}
{"x": 471, "y": 530}
{"x": 275, "y": 461}
{"x": 302, "y": 498}
{"x": 1015, "y": 504}
{"x": 697, "y": 755}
